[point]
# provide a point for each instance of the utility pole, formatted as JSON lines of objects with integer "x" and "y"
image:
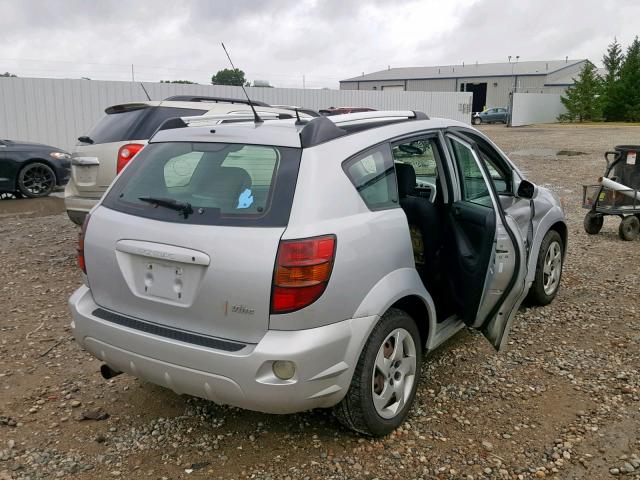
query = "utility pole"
{"x": 133, "y": 76}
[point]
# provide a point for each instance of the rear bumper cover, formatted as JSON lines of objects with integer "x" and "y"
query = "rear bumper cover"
{"x": 83, "y": 204}
{"x": 325, "y": 358}
{"x": 79, "y": 207}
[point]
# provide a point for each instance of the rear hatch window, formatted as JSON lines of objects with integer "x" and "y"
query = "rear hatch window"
{"x": 209, "y": 184}
{"x": 134, "y": 122}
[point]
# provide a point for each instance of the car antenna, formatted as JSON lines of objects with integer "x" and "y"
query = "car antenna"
{"x": 298, "y": 121}
{"x": 145, "y": 91}
{"x": 256, "y": 117}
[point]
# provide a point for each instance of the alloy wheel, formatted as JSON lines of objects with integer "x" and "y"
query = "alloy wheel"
{"x": 37, "y": 179}
{"x": 552, "y": 268}
{"x": 394, "y": 373}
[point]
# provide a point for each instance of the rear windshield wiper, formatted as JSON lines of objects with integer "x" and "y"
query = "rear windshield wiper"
{"x": 183, "y": 207}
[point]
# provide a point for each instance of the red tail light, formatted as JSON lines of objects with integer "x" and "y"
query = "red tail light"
{"x": 83, "y": 231}
{"x": 303, "y": 268}
{"x": 126, "y": 153}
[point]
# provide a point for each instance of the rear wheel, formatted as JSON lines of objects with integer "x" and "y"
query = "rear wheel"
{"x": 593, "y": 223}
{"x": 548, "y": 270}
{"x": 36, "y": 180}
{"x": 477, "y": 120}
{"x": 629, "y": 228}
{"x": 385, "y": 379}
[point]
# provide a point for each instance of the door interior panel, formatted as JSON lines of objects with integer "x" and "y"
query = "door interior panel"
{"x": 471, "y": 235}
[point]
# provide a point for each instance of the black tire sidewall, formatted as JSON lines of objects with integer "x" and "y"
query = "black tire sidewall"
{"x": 537, "y": 295}
{"x": 624, "y": 224}
{"x": 593, "y": 223}
{"x": 21, "y": 188}
{"x": 390, "y": 321}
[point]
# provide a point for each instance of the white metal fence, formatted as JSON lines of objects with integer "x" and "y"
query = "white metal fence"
{"x": 530, "y": 108}
{"x": 56, "y": 112}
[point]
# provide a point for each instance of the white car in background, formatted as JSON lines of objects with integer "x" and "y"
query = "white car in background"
{"x": 126, "y": 128}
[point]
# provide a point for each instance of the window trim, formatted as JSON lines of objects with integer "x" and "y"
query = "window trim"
{"x": 394, "y": 201}
{"x": 460, "y": 177}
{"x": 440, "y": 158}
{"x": 475, "y": 135}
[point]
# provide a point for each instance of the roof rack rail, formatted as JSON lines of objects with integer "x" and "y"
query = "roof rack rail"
{"x": 195, "y": 98}
{"x": 209, "y": 120}
{"x": 323, "y": 129}
{"x": 388, "y": 115}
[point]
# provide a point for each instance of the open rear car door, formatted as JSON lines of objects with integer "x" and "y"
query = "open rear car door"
{"x": 487, "y": 258}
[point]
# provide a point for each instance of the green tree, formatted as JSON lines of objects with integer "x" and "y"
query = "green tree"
{"x": 612, "y": 106}
{"x": 628, "y": 90}
{"x": 189, "y": 82}
{"x": 7, "y": 74}
{"x": 583, "y": 99}
{"x": 229, "y": 77}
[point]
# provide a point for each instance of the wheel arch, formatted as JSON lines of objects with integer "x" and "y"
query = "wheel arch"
{"x": 402, "y": 289}
{"x": 562, "y": 229}
{"x": 553, "y": 220}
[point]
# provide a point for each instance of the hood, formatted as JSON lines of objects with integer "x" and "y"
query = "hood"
{"x": 16, "y": 143}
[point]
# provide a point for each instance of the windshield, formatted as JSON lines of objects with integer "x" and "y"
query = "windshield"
{"x": 215, "y": 183}
{"x": 136, "y": 123}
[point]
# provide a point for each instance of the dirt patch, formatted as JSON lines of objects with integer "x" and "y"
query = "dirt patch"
{"x": 31, "y": 207}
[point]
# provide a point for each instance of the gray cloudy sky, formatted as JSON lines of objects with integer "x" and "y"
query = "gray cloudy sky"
{"x": 282, "y": 40}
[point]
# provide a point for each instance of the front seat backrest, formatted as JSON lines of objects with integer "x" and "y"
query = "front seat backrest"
{"x": 424, "y": 226}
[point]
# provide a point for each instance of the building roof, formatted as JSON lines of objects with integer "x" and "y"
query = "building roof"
{"x": 542, "y": 67}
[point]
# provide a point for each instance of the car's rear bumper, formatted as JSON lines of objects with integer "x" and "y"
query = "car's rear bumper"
{"x": 78, "y": 207}
{"x": 325, "y": 359}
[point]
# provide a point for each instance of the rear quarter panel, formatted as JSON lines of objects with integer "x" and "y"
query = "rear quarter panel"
{"x": 371, "y": 246}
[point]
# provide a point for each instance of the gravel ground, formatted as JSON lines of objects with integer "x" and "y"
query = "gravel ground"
{"x": 562, "y": 401}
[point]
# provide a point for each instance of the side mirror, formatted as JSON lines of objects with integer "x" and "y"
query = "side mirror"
{"x": 526, "y": 189}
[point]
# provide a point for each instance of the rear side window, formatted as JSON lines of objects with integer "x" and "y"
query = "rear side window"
{"x": 373, "y": 175}
{"x": 223, "y": 184}
{"x": 137, "y": 123}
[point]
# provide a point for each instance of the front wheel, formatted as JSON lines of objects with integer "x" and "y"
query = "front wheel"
{"x": 386, "y": 377}
{"x": 548, "y": 270}
{"x": 36, "y": 180}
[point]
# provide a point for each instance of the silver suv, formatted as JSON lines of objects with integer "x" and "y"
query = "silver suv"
{"x": 287, "y": 265}
{"x": 125, "y": 129}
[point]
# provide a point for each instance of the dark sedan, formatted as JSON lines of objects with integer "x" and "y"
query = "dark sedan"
{"x": 32, "y": 169}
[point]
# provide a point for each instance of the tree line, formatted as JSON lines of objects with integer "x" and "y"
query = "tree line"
{"x": 615, "y": 96}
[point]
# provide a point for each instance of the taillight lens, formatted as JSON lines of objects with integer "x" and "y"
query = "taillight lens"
{"x": 81, "y": 262}
{"x": 126, "y": 153}
{"x": 303, "y": 268}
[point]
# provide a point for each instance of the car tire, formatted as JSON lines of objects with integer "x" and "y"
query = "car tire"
{"x": 36, "y": 180}
{"x": 386, "y": 377}
{"x": 593, "y": 223}
{"x": 629, "y": 228}
{"x": 477, "y": 120}
{"x": 548, "y": 270}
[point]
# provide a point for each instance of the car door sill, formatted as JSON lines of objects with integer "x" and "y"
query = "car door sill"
{"x": 445, "y": 330}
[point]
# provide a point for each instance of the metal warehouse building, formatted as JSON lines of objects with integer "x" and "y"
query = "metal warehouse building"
{"x": 491, "y": 83}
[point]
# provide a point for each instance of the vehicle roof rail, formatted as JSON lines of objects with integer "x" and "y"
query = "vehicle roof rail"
{"x": 323, "y": 129}
{"x": 205, "y": 120}
{"x": 195, "y": 98}
{"x": 319, "y": 130}
{"x": 391, "y": 115}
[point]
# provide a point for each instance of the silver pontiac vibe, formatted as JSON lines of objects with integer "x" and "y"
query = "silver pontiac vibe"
{"x": 289, "y": 265}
